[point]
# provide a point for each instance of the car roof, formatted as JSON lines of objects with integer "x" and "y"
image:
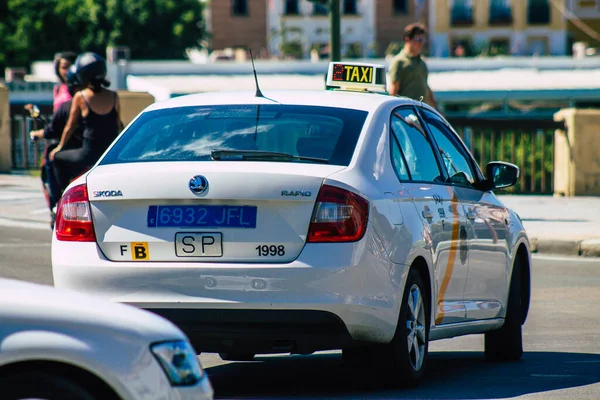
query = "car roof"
{"x": 365, "y": 101}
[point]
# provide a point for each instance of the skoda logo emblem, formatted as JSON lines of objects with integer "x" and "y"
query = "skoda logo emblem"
{"x": 198, "y": 184}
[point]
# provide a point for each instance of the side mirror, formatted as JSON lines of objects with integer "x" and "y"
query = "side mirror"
{"x": 501, "y": 174}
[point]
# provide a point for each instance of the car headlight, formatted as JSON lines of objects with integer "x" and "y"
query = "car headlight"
{"x": 179, "y": 361}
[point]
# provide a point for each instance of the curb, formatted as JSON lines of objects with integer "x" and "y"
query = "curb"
{"x": 583, "y": 248}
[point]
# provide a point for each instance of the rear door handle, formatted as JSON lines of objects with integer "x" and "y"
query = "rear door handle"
{"x": 427, "y": 214}
{"x": 471, "y": 215}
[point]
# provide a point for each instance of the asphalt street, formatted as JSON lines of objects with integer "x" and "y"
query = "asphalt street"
{"x": 561, "y": 340}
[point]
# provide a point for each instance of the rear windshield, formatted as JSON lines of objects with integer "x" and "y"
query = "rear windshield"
{"x": 301, "y": 133}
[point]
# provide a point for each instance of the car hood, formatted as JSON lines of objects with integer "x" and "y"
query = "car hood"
{"x": 39, "y": 306}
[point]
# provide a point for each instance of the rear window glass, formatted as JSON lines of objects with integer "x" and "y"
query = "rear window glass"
{"x": 328, "y": 134}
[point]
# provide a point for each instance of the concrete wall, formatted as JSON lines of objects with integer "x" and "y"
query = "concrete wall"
{"x": 132, "y": 103}
{"x": 577, "y": 153}
{"x": 5, "y": 139}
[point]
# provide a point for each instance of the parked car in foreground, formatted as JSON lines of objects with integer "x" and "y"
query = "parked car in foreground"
{"x": 299, "y": 221}
{"x": 60, "y": 345}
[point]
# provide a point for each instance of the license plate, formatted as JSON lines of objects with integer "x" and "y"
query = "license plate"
{"x": 196, "y": 216}
{"x": 198, "y": 244}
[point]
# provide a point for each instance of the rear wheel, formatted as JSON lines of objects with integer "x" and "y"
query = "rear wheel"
{"x": 406, "y": 356}
{"x": 42, "y": 385}
{"x": 236, "y": 356}
{"x": 506, "y": 343}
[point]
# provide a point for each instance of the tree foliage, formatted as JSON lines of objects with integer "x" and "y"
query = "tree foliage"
{"x": 32, "y": 30}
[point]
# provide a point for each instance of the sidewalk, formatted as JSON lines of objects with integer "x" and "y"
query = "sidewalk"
{"x": 560, "y": 225}
{"x": 556, "y": 225}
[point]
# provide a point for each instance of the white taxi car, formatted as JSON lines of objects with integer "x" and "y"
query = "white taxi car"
{"x": 55, "y": 344}
{"x": 300, "y": 221}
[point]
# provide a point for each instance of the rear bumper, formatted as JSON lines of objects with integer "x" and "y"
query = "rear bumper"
{"x": 331, "y": 296}
{"x": 260, "y": 331}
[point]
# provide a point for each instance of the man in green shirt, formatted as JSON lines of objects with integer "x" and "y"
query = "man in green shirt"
{"x": 408, "y": 72}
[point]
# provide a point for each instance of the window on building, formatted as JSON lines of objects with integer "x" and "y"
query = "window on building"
{"x": 461, "y": 12}
{"x": 239, "y": 7}
{"x": 499, "y": 47}
{"x": 462, "y": 47}
{"x": 350, "y": 7}
{"x": 320, "y": 9}
{"x": 291, "y": 7}
{"x": 500, "y": 12}
{"x": 400, "y": 6}
{"x": 538, "y": 12}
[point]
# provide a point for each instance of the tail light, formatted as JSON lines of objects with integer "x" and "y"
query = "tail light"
{"x": 74, "y": 216}
{"x": 339, "y": 216}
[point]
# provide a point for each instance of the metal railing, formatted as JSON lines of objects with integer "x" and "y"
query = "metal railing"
{"x": 529, "y": 144}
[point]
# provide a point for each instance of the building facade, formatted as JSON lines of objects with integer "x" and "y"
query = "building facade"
{"x": 392, "y": 16}
{"x": 587, "y": 13}
{"x": 295, "y": 27}
{"x": 237, "y": 24}
{"x": 305, "y": 25}
{"x": 497, "y": 27}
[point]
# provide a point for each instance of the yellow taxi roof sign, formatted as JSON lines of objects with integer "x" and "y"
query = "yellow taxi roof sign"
{"x": 358, "y": 76}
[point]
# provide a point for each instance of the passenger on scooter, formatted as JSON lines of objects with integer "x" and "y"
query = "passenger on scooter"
{"x": 52, "y": 133}
{"x": 61, "y": 94}
{"x": 96, "y": 109}
{"x": 62, "y": 63}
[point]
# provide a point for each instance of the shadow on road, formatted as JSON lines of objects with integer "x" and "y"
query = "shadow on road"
{"x": 452, "y": 375}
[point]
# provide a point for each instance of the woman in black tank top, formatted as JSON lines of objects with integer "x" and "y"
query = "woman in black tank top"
{"x": 97, "y": 110}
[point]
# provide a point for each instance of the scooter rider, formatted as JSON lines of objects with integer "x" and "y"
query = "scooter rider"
{"x": 52, "y": 133}
{"x": 96, "y": 109}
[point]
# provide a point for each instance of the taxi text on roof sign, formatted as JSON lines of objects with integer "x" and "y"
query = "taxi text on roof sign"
{"x": 358, "y": 76}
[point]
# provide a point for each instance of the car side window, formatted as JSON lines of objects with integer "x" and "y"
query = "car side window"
{"x": 415, "y": 146}
{"x": 454, "y": 156}
{"x": 398, "y": 161}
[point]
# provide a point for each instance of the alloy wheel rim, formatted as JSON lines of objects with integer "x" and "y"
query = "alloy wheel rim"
{"x": 415, "y": 328}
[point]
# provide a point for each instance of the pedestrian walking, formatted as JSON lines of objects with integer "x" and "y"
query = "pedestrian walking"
{"x": 408, "y": 71}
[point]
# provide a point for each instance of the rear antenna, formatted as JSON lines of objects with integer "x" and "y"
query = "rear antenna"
{"x": 258, "y": 92}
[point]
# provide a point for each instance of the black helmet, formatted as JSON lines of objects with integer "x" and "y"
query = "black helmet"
{"x": 90, "y": 69}
{"x": 72, "y": 81}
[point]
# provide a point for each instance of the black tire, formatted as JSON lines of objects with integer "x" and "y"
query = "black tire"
{"x": 401, "y": 368}
{"x": 42, "y": 385}
{"x": 506, "y": 343}
{"x": 236, "y": 356}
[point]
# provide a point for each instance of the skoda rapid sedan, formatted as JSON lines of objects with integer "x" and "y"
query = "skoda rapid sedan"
{"x": 301, "y": 221}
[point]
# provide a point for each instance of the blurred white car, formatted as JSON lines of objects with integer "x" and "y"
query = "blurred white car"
{"x": 299, "y": 221}
{"x": 55, "y": 344}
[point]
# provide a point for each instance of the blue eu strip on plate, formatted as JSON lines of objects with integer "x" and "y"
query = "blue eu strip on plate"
{"x": 202, "y": 216}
